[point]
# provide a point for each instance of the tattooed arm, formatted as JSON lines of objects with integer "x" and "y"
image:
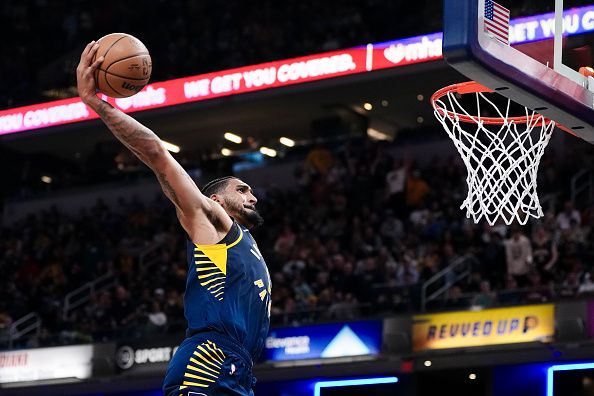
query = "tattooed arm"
{"x": 203, "y": 219}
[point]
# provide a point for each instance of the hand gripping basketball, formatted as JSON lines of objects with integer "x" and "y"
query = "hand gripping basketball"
{"x": 85, "y": 72}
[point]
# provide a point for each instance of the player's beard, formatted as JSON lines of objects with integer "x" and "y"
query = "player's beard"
{"x": 249, "y": 217}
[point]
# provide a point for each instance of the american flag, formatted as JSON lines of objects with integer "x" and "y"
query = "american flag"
{"x": 497, "y": 21}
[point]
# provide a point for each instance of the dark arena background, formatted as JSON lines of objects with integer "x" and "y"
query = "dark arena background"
{"x": 381, "y": 285}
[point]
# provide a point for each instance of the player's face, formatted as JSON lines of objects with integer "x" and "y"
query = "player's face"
{"x": 240, "y": 203}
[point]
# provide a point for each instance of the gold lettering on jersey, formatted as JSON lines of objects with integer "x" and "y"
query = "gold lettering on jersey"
{"x": 263, "y": 293}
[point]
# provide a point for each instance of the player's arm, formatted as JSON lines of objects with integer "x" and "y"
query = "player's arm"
{"x": 203, "y": 219}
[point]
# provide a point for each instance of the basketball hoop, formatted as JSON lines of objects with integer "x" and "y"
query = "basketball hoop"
{"x": 501, "y": 152}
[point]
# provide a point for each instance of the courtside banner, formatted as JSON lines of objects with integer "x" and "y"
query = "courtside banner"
{"x": 324, "y": 341}
{"x": 46, "y": 364}
{"x": 486, "y": 327}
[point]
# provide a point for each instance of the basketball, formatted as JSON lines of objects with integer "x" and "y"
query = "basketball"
{"x": 126, "y": 67}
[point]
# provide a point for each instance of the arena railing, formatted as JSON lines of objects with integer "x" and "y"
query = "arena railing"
{"x": 83, "y": 294}
{"x": 446, "y": 278}
{"x": 25, "y": 326}
{"x": 583, "y": 182}
{"x": 77, "y": 298}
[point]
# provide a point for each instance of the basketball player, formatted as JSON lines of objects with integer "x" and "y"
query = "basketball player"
{"x": 227, "y": 299}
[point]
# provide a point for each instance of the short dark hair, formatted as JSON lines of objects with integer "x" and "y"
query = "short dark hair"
{"x": 216, "y": 186}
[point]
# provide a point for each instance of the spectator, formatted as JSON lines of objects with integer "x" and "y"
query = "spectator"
{"x": 416, "y": 190}
{"x": 391, "y": 229}
{"x": 485, "y": 298}
{"x": 544, "y": 253}
{"x": 5, "y": 322}
{"x": 395, "y": 183}
{"x": 123, "y": 309}
{"x": 285, "y": 241}
{"x": 510, "y": 294}
{"x": 344, "y": 308}
{"x": 570, "y": 285}
{"x": 587, "y": 285}
{"x": 538, "y": 292}
{"x": 518, "y": 253}
{"x": 319, "y": 160}
{"x": 157, "y": 319}
{"x": 492, "y": 258}
{"x": 564, "y": 218}
{"x": 455, "y": 299}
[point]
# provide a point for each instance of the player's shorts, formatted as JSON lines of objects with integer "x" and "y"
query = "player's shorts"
{"x": 209, "y": 364}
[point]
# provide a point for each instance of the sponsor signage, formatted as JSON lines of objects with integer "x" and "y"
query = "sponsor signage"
{"x": 487, "y": 327}
{"x": 191, "y": 89}
{"x": 281, "y": 73}
{"x": 136, "y": 355}
{"x": 46, "y": 364}
{"x": 324, "y": 341}
{"x": 540, "y": 27}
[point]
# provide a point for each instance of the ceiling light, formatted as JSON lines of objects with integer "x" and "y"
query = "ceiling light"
{"x": 268, "y": 151}
{"x": 171, "y": 147}
{"x": 377, "y": 135}
{"x": 46, "y": 179}
{"x": 287, "y": 142}
{"x": 472, "y": 376}
{"x": 427, "y": 363}
{"x": 233, "y": 137}
{"x": 385, "y": 103}
{"x": 420, "y": 119}
{"x": 420, "y": 97}
{"x": 226, "y": 152}
{"x": 367, "y": 106}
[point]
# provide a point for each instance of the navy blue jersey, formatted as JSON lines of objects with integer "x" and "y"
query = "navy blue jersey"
{"x": 228, "y": 290}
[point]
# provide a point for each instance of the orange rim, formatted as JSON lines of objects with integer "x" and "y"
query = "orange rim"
{"x": 474, "y": 87}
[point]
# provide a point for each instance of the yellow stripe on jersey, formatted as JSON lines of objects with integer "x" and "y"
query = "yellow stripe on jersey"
{"x": 194, "y": 376}
{"x": 212, "y": 356}
{"x": 215, "y": 285}
{"x": 212, "y": 347}
{"x": 203, "y": 374}
{"x": 211, "y": 280}
{"x": 190, "y": 383}
{"x": 190, "y": 367}
{"x": 208, "y": 275}
{"x": 206, "y": 269}
{"x": 215, "y": 292}
{"x": 202, "y": 365}
{"x": 205, "y": 360}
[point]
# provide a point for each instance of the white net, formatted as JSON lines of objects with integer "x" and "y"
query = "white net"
{"x": 501, "y": 160}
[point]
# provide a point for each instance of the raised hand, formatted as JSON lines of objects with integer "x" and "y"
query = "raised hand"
{"x": 85, "y": 72}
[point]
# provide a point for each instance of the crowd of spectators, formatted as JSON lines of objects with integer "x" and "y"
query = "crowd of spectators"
{"x": 358, "y": 235}
{"x": 188, "y": 37}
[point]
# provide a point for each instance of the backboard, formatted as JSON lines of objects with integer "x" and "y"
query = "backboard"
{"x": 534, "y": 61}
